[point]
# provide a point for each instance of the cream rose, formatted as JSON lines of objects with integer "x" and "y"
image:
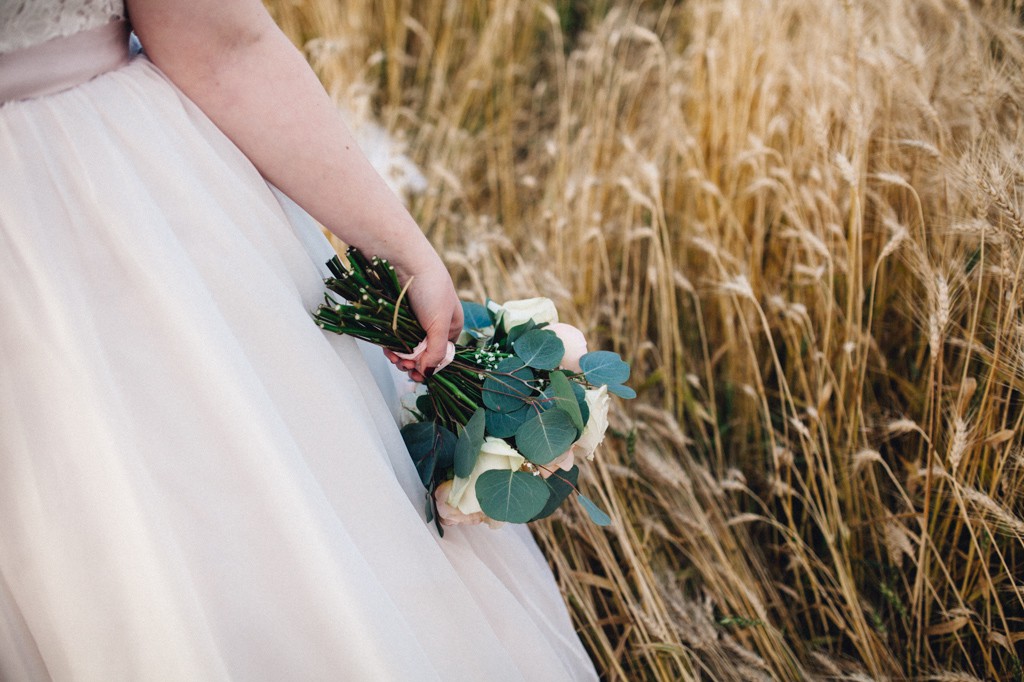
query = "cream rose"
{"x": 515, "y": 313}
{"x": 597, "y": 424}
{"x": 450, "y": 516}
{"x": 494, "y": 454}
{"x": 575, "y": 345}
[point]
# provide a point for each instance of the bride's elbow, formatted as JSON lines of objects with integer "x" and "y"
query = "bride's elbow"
{"x": 193, "y": 38}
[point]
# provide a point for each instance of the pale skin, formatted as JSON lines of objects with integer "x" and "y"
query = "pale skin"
{"x": 230, "y": 58}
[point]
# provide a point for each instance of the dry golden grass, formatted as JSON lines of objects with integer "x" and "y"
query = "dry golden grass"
{"x": 802, "y": 222}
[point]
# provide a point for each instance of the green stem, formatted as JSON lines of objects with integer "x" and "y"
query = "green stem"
{"x": 450, "y": 385}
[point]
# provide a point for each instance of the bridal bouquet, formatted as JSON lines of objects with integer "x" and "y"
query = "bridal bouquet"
{"x": 497, "y": 431}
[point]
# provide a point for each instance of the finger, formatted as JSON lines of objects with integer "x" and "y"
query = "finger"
{"x": 457, "y": 321}
{"x": 437, "y": 344}
{"x": 400, "y": 363}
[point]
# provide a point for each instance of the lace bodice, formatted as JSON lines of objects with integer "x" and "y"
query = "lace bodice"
{"x": 28, "y": 22}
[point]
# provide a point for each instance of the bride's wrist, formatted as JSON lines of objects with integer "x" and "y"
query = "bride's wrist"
{"x": 400, "y": 240}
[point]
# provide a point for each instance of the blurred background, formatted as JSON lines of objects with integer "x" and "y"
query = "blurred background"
{"x": 802, "y": 222}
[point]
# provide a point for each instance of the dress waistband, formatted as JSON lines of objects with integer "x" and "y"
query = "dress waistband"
{"x": 62, "y": 63}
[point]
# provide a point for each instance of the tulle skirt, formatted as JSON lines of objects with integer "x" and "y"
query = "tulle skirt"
{"x": 195, "y": 482}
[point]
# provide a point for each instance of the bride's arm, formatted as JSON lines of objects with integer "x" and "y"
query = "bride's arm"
{"x": 230, "y": 58}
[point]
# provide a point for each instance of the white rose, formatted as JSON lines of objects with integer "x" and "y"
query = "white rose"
{"x": 515, "y": 313}
{"x": 475, "y": 338}
{"x": 494, "y": 454}
{"x": 597, "y": 424}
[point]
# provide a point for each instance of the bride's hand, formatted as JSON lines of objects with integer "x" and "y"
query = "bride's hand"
{"x": 437, "y": 307}
{"x": 285, "y": 123}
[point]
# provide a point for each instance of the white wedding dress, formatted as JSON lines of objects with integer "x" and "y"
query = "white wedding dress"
{"x": 195, "y": 482}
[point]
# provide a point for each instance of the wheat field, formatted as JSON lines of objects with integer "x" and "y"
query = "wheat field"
{"x": 802, "y": 222}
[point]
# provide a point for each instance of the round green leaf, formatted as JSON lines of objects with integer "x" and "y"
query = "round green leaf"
{"x": 512, "y": 496}
{"x": 430, "y": 446}
{"x": 604, "y": 367}
{"x": 429, "y": 504}
{"x": 419, "y": 439}
{"x": 505, "y": 424}
{"x": 560, "y": 394}
{"x": 561, "y": 484}
{"x": 507, "y": 387}
{"x": 425, "y": 406}
{"x": 539, "y": 348}
{"x": 475, "y": 316}
{"x": 445, "y": 447}
{"x": 622, "y": 391}
{"x": 468, "y": 446}
{"x": 594, "y": 512}
{"x": 546, "y": 436}
{"x": 578, "y": 392}
{"x": 520, "y": 329}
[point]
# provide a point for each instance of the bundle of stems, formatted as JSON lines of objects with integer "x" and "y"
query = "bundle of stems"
{"x": 375, "y": 308}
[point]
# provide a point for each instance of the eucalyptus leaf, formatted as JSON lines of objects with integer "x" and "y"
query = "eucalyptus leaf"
{"x": 545, "y": 436}
{"x": 622, "y": 391}
{"x": 420, "y": 440}
{"x": 445, "y": 448}
{"x": 581, "y": 397}
{"x": 506, "y": 389}
{"x": 561, "y": 484}
{"x": 512, "y": 496}
{"x": 475, "y": 316}
{"x": 540, "y": 349}
{"x": 577, "y": 389}
{"x": 425, "y": 406}
{"x": 562, "y": 392}
{"x": 520, "y": 329}
{"x": 505, "y": 424}
{"x": 432, "y": 514}
{"x": 431, "y": 447}
{"x": 604, "y": 367}
{"x": 594, "y": 512}
{"x": 468, "y": 446}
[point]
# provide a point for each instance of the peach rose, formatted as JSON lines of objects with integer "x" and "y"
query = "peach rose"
{"x": 575, "y": 345}
{"x": 564, "y": 461}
